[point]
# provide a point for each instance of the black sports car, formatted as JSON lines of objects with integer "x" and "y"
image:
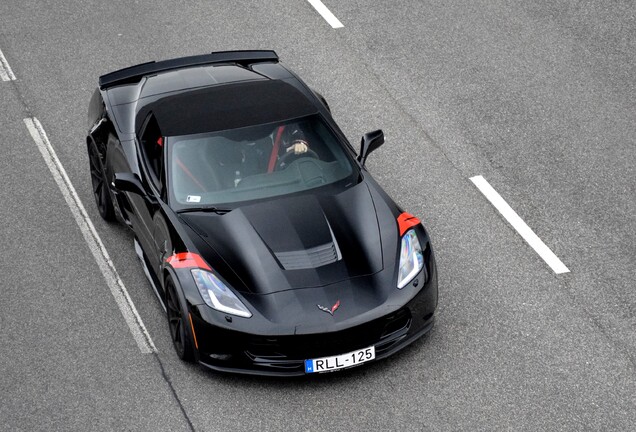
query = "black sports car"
{"x": 270, "y": 246}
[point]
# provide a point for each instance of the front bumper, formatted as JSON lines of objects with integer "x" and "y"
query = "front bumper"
{"x": 233, "y": 351}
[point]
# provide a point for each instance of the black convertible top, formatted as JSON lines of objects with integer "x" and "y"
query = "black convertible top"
{"x": 229, "y": 106}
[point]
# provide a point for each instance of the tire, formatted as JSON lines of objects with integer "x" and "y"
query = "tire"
{"x": 100, "y": 184}
{"x": 178, "y": 322}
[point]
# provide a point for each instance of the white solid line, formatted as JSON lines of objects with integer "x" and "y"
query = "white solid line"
{"x": 326, "y": 13}
{"x": 517, "y": 223}
{"x": 114, "y": 282}
{"x": 6, "y": 74}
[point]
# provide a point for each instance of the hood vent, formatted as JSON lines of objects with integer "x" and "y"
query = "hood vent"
{"x": 311, "y": 258}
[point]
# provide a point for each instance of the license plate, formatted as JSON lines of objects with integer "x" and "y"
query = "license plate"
{"x": 328, "y": 364}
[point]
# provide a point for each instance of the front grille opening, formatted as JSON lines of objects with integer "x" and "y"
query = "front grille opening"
{"x": 264, "y": 348}
{"x": 399, "y": 323}
{"x": 290, "y": 351}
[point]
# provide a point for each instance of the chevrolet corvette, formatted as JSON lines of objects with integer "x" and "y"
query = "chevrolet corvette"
{"x": 269, "y": 245}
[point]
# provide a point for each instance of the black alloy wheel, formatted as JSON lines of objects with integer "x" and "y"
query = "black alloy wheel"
{"x": 100, "y": 186}
{"x": 179, "y": 324}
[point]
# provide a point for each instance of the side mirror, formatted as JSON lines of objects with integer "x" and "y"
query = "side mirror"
{"x": 129, "y": 182}
{"x": 370, "y": 142}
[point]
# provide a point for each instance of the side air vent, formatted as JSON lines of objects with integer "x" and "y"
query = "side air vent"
{"x": 309, "y": 258}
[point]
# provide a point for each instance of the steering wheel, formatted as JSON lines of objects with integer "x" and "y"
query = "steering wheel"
{"x": 287, "y": 158}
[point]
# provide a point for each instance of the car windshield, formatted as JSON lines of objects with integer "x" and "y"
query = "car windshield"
{"x": 256, "y": 162}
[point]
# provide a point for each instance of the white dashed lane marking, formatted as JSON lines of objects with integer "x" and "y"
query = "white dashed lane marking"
{"x": 326, "y": 13}
{"x": 6, "y": 74}
{"x": 518, "y": 224}
{"x": 97, "y": 248}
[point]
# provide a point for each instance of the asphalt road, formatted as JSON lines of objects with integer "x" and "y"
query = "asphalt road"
{"x": 537, "y": 97}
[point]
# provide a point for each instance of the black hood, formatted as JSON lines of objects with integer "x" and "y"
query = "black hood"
{"x": 293, "y": 242}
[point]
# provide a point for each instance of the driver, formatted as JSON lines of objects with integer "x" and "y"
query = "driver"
{"x": 296, "y": 142}
{"x": 289, "y": 141}
{"x": 298, "y": 147}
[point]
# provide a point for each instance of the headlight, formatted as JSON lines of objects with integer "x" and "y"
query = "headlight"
{"x": 411, "y": 258}
{"x": 217, "y": 295}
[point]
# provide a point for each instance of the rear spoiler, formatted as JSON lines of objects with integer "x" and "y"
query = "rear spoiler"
{"x": 134, "y": 74}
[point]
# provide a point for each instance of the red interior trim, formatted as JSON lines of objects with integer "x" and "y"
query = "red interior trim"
{"x": 187, "y": 260}
{"x": 406, "y": 221}
{"x": 272, "y": 158}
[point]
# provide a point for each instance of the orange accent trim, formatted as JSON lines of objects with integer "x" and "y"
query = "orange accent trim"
{"x": 272, "y": 158}
{"x": 196, "y": 345}
{"x": 406, "y": 221}
{"x": 187, "y": 171}
{"x": 187, "y": 260}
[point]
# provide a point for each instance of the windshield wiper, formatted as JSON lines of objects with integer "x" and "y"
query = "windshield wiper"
{"x": 216, "y": 210}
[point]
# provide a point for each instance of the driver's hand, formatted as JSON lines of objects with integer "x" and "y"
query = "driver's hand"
{"x": 298, "y": 147}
